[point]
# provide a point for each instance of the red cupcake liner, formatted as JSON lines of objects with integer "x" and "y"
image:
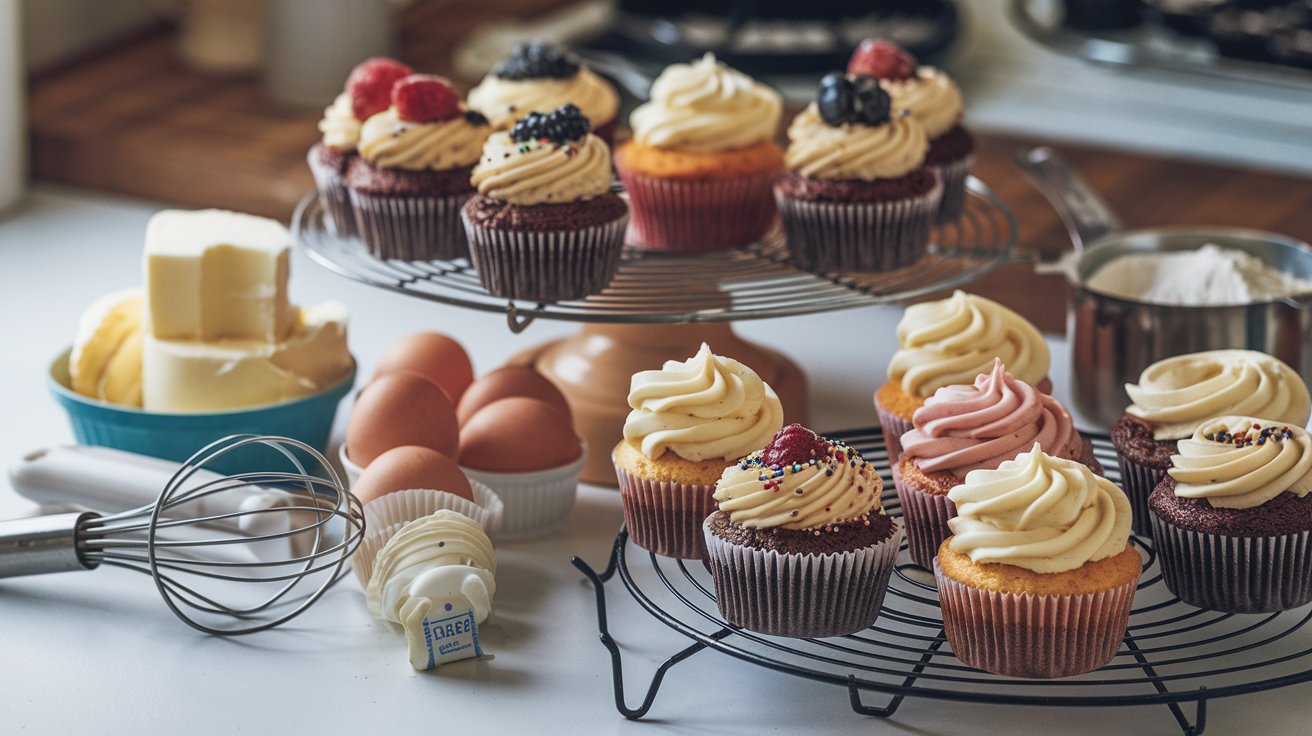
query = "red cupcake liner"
{"x": 800, "y": 596}
{"x": 666, "y": 518}
{"x": 953, "y": 175}
{"x": 865, "y": 237}
{"x": 696, "y": 216}
{"x": 339, "y": 216}
{"x": 925, "y": 516}
{"x": 894, "y": 427}
{"x": 1234, "y": 574}
{"x": 1033, "y": 636}
{"x": 411, "y": 228}
{"x": 1138, "y": 482}
{"x": 546, "y": 266}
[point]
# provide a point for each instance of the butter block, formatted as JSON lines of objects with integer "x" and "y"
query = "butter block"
{"x": 106, "y": 360}
{"x": 215, "y": 275}
{"x": 185, "y": 376}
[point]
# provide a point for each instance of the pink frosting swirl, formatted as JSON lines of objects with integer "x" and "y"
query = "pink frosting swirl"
{"x": 981, "y": 425}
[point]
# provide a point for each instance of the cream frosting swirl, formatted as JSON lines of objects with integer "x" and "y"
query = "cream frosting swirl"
{"x": 1178, "y": 394}
{"x": 818, "y": 150}
{"x": 968, "y": 427}
{"x": 389, "y": 142}
{"x": 702, "y": 408}
{"x": 341, "y": 131}
{"x": 837, "y": 488}
{"x": 1039, "y": 512}
{"x": 1242, "y": 462}
{"x": 504, "y": 101}
{"x": 932, "y": 97}
{"x": 953, "y": 340}
{"x": 706, "y": 106}
{"x": 542, "y": 172}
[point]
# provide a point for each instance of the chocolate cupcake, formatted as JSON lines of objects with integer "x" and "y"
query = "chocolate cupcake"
{"x": 412, "y": 175}
{"x": 540, "y": 77}
{"x": 1233, "y": 516}
{"x": 690, "y": 421}
{"x": 800, "y": 546}
{"x": 1177, "y": 395}
{"x": 544, "y": 226}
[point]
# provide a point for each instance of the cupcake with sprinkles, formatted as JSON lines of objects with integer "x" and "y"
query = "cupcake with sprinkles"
{"x": 800, "y": 545}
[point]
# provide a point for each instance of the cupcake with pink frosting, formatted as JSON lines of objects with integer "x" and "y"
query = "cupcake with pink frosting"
{"x": 972, "y": 427}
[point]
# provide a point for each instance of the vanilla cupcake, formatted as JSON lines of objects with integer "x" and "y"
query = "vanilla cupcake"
{"x": 540, "y": 77}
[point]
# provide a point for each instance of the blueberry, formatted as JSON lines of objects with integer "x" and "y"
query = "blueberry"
{"x": 537, "y": 60}
{"x": 872, "y": 102}
{"x": 474, "y": 117}
{"x": 562, "y": 125}
{"x": 836, "y": 99}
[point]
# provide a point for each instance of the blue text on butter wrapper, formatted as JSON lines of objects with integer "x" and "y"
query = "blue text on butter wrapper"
{"x": 451, "y": 638}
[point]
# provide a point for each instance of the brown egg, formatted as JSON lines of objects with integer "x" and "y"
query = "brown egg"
{"x": 433, "y": 356}
{"x": 401, "y": 409}
{"x": 518, "y": 434}
{"x": 503, "y": 383}
{"x": 403, "y": 468}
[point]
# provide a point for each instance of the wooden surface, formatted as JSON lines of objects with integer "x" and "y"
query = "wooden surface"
{"x": 132, "y": 120}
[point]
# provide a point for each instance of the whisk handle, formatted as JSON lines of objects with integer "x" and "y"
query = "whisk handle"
{"x": 42, "y": 544}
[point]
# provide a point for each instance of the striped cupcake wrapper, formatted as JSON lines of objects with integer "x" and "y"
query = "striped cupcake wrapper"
{"x": 696, "y": 216}
{"x": 666, "y": 518}
{"x": 894, "y": 427}
{"x": 536, "y": 500}
{"x": 546, "y": 266}
{"x": 1138, "y": 482}
{"x": 953, "y": 176}
{"x": 411, "y": 228}
{"x": 925, "y": 516}
{"x": 339, "y": 216}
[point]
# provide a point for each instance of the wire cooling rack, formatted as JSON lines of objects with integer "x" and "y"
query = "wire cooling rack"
{"x": 755, "y": 282}
{"x": 1173, "y": 654}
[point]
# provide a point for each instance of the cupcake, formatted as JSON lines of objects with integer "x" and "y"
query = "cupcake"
{"x": 800, "y": 546}
{"x": 412, "y": 174}
{"x": 1232, "y": 517}
{"x": 935, "y": 102}
{"x": 1175, "y": 396}
{"x": 540, "y": 77}
{"x": 1037, "y": 579}
{"x": 971, "y": 427}
{"x": 950, "y": 342}
{"x": 368, "y": 91}
{"x": 702, "y": 159}
{"x": 857, "y": 196}
{"x": 690, "y": 421}
{"x": 544, "y": 226}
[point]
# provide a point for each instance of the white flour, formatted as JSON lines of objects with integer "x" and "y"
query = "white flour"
{"x": 1209, "y": 276}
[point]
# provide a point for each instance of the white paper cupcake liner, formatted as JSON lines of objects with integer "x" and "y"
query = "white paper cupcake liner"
{"x": 411, "y": 228}
{"x": 866, "y": 237}
{"x": 353, "y": 471}
{"x": 546, "y": 266}
{"x": 800, "y": 596}
{"x": 953, "y": 175}
{"x": 697, "y": 216}
{"x": 1033, "y": 636}
{"x": 339, "y": 216}
{"x": 666, "y": 518}
{"x": 1138, "y": 482}
{"x": 894, "y": 427}
{"x": 1234, "y": 574}
{"x": 384, "y": 516}
{"x": 534, "y": 501}
{"x": 925, "y": 517}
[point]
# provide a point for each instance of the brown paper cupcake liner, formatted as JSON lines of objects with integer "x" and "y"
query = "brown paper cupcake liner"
{"x": 894, "y": 427}
{"x": 546, "y": 266}
{"x": 1138, "y": 482}
{"x": 534, "y": 501}
{"x": 411, "y": 228}
{"x": 925, "y": 518}
{"x": 867, "y": 237}
{"x": 339, "y": 216}
{"x": 1033, "y": 636}
{"x": 696, "y": 216}
{"x": 953, "y": 175}
{"x": 1235, "y": 574}
{"x": 801, "y": 596}
{"x": 666, "y": 518}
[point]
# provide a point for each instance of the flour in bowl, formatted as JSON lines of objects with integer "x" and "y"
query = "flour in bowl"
{"x": 1209, "y": 276}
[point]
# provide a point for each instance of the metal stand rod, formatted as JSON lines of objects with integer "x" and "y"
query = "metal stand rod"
{"x": 854, "y": 691}
{"x": 1200, "y": 715}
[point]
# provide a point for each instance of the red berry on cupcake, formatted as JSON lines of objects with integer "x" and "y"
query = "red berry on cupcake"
{"x": 794, "y": 445}
{"x": 370, "y": 85}
{"x": 425, "y": 98}
{"x": 882, "y": 59}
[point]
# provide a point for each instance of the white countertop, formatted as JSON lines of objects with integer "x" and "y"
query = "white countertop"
{"x": 98, "y": 652}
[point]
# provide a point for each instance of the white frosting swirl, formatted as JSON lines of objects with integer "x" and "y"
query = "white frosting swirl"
{"x": 542, "y": 172}
{"x": 389, "y": 142}
{"x": 837, "y": 488}
{"x": 1039, "y": 512}
{"x": 1243, "y": 468}
{"x": 705, "y": 407}
{"x": 932, "y": 97}
{"x": 951, "y": 341}
{"x": 503, "y": 101}
{"x": 818, "y": 150}
{"x": 706, "y": 106}
{"x": 341, "y": 131}
{"x": 1178, "y": 394}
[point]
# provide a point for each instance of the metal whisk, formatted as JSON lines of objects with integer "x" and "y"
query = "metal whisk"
{"x": 270, "y": 544}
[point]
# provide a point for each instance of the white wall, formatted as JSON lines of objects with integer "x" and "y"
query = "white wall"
{"x": 54, "y": 30}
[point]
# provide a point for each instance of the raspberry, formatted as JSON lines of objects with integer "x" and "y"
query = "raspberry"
{"x": 560, "y": 126}
{"x": 424, "y": 98}
{"x": 370, "y": 85}
{"x": 882, "y": 59}
{"x": 794, "y": 445}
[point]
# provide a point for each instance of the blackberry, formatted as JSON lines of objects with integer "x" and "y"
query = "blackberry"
{"x": 560, "y": 126}
{"x": 474, "y": 117}
{"x": 537, "y": 60}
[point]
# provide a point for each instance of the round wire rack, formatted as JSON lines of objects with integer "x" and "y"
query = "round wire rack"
{"x": 755, "y": 282}
{"x": 1173, "y": 653}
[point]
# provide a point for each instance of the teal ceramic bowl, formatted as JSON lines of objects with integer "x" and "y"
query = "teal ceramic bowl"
{"x": 178, "y": 436}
